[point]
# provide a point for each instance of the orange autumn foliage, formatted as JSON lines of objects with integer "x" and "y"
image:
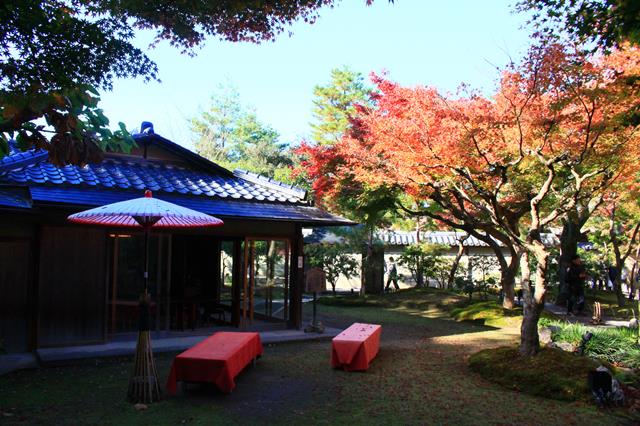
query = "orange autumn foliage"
{"x": 557, "y": 107}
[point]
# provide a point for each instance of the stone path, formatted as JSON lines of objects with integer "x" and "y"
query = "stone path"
{"x": 585, "y": 318}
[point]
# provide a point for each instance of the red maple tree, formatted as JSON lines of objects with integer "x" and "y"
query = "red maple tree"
{"x": 559, "y": 129}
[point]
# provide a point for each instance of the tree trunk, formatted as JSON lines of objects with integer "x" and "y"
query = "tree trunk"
{"x": 367, "y": 261}
{"x": 507, "y": 275}
{"x": 508, "y": 283}
{"x": 633, "y": 282}
{"x": 456, "y": 263}
{"x": 533, "y": 299}
{"x": 364, "y": 277}
{"x": 617, "y": 283}
{"x": 508, "y": 270}
{"x": 568, "y": 249}
{"x": 620, "y": 254}
{"x": 372, "y": 269}
{"x": 419, "y": 275}
{"x": 617, "y": 287}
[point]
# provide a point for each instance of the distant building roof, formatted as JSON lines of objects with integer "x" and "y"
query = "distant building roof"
{"x": 448, "y": 238}
{"x": 196, "y": 183}
{"x": 404, "y": 238}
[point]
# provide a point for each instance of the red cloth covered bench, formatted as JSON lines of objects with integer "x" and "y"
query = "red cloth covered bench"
{"x": 217, "y": 359}
{"x": 355, "y": 347}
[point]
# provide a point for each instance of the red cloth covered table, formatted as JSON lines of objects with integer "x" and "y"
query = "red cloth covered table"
{"x": 355, "y": 347}
{"x": 217, "y": 359}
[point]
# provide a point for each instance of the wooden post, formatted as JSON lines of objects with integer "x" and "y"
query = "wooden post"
{"x": 244, "y": 282}
{"x": 286, "y": 280}
{"x": 35, "y": 247}
{"x": 146, "y": 261}
{"x": 158, "y": 282}
{"x": 297, "y": 279}
{"x": 252, "y": 278}
{"x": 237, "y": 280}
{"x": 167, "y": 320}
{"x": 114, "y": 284}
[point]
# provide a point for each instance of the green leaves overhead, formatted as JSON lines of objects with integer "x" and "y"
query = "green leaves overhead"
{"x": 603, "y": 23}
{"x": 69, "y": 125}
{"x": 51, "y": 49}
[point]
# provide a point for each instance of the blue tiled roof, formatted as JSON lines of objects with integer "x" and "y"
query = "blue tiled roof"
{"x": 119, "y": 172}
{"x": 17, "y": 159}
{"x": 199, "y": 184}
{"x": 223, "y": 208}
{"x": 123, "y": 174}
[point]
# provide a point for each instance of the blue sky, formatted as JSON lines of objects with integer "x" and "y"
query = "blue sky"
{"x": 418, "y": 42}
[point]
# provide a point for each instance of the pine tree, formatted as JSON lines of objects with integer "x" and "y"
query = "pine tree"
{"x": 214, "y": 129}
{"x": 231, "y": 135}
{"x": 335, "y": 102}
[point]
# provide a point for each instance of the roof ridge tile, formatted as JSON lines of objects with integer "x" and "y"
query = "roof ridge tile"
{"x": 268, "y": 182}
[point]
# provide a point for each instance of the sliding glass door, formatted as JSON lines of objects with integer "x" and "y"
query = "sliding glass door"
{"x": 265, "y": 293}
{"x": 126, "y": 282}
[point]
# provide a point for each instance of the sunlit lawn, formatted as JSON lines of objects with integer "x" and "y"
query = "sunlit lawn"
{"x": 419, "y": 377}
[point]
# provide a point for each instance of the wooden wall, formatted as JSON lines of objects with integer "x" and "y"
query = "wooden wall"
{"x": 15, "y": 258}
{"x": 71, "y": 286}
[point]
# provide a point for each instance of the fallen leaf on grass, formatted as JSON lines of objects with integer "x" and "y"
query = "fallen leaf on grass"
{"x": 140, "y": 407}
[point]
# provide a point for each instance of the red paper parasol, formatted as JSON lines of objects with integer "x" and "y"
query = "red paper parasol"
{"x": 147, "y": 213}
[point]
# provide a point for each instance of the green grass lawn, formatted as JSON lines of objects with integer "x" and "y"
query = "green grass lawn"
{"x": 421, "y": 376}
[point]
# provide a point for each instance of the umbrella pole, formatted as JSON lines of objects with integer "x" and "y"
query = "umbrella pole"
{"x": 143, "y": 384}
{"x": 146, "y": 260}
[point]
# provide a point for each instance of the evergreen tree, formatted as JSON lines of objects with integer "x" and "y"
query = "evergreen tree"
{"x": 231, "y": 135}
{"x": 214, "y": 129}
{"x": 335, "y": 102}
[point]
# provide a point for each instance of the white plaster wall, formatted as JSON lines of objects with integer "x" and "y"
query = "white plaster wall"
{"x": 405, "y": 280}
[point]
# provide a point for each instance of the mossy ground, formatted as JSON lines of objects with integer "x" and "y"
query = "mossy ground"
{"x": 553, "y": 373}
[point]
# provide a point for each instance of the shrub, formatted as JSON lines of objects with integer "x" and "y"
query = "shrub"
{"x": 618, "y": 346}
{"x": 347, "y": 301}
